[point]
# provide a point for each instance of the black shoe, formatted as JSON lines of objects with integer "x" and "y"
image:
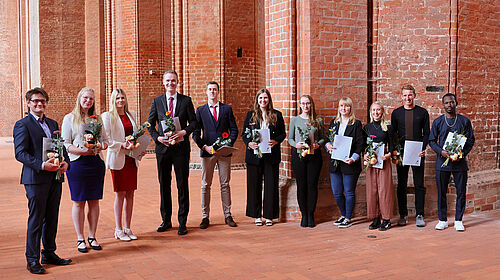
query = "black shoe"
{"x": 35, "y": 267}
{"x": 97, "y": 247}
{"x": 182, "y": 230}
{"x": 310, "y": 221}
{"x": 402, "y": 221}
{"x": 204, "y": 223}
{"x": 164, "y": 226}
{"x": 303, "y": 221}
{"x": 338, "y": 221}
{"x": 81, "y": 250}
{"x": 375, "y": 224}
{"x": 230, "y": 222}
{"x": 52, "y": 258}
{"x": 345, "y": 224}
{"x": 386, "y": 224}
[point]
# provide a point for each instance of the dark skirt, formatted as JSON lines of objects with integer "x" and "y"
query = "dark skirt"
{"x": 86, "y": 178}
{"x": 125, "y": 179}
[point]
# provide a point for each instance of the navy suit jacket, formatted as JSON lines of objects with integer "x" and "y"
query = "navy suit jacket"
{"x": 184, "y": 109}
{"x": 28, "y": 141}
{"x": 213, "y": 129}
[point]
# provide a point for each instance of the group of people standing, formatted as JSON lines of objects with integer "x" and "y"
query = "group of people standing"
{"x": 212, "y": 124}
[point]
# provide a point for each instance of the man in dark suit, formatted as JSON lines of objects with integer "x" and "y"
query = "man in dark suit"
{"x": 216, "y": 120}
{"x": 43, "y": 190}
{"x": 180, "y": 106}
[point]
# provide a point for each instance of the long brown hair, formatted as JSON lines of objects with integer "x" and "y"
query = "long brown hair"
{"x": 271, "y": 115}
{"x": 313, "y": 117}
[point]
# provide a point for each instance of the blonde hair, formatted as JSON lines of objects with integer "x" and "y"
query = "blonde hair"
{"x": 77, "y": 110}
{"x": 383, "y": 121}
{"x": 112, "y": 101}
{"x": 271, "y": 115}
{"x": 346, "y": 101}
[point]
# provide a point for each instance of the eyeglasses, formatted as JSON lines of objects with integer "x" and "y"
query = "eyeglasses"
{"x": 36, "y": 101}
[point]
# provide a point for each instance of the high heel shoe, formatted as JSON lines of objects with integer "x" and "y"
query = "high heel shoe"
{"x": 120, "y": 234}
{"x": 95, "y": 247}
{"x": 130, "y": 234}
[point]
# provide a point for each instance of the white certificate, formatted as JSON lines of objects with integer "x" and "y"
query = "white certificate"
{"x": 138, "y": 153}
{"x": 379, "y": 152}
{"x": 265, "y": 137}
{"x": 177, "y": 127}
{"x": 342, "y": 145}
{"x": 449, "y": 139}
{"x": 411, "y": 151}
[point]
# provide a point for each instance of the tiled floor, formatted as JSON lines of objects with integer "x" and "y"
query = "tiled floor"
{"x": 283, "y": 251}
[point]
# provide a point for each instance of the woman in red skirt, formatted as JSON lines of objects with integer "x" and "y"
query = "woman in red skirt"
{"x": 118, "y": 123}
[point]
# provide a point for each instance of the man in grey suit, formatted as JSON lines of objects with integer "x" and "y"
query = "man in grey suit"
{"x": 181, "y": 106}
{"x": 216, "y": 120}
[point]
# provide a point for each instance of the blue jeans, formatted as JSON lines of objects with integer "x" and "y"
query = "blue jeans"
{"x": 344, "y": 188}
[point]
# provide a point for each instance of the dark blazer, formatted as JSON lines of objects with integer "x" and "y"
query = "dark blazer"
{"x": 28, "y": 141}
{"x": 277, "y": 133}
{"x": 354, "y": 131}
{"x": 184, "y": 109}
{"x": 213, "y": 129}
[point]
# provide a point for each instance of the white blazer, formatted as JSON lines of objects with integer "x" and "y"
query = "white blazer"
{"x": 115, "y": 157}
{"x": 74, "y": 136}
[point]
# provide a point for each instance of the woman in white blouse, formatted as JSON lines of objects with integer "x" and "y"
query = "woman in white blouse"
{"x": 118, "y": 123}
{"x": 86, "y": 177}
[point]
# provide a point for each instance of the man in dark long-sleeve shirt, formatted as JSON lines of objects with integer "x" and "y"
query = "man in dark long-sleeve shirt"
{"x": 451, "y": 122}
{"x": 411, "y": 122}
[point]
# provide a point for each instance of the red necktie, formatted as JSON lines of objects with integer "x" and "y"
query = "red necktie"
{"x": 215, "y": 112}
{"x": 171, "y": 106}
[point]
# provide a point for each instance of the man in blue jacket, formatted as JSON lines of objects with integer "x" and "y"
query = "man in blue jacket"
{"x": 456, "y": 165}
{"x": 43, "y": 190}
{"x": 217, "y": 122}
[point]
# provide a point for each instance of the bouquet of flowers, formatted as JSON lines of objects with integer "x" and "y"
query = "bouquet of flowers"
{"x": 331, "y": 138}
{"x": 92, "y": 133}
{"x": 221, "y": 141}
{"x": 56, "y": 151}
{"x": 396, "y": 156}
{"x": 371, "y": 148}
{"x": 454, "y": 147}
{"x": 131, "y": 140}
{"x": 304, "y": 137}
{"x": 169, "y": 127}
{"x": 254, "y": 136}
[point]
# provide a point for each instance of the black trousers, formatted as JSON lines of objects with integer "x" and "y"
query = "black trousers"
{"x": 418, "y": 182}
{"x": 164, "y": 163}
{"x": 43, "y": 205}
{"x": 442, "y": 181}
{"x": 255, "y": 208}
{"x": 307, "y": 172}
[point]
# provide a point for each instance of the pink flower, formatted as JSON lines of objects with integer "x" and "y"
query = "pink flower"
{"x": 373, "y": 136}
{"x": 308, "y": 124}
{"x": 251, "y": 124}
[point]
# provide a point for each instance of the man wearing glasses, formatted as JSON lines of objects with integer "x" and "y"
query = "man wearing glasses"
{"x": 43, "y": 190}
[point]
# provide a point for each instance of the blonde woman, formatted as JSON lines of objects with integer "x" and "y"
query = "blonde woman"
{"x": 86, "y": 177}
{"x": 118, "y": 123}
{"x": 379, "y": 187}
{"x": 308, "y": 167}
{"x": 344, "y": 174}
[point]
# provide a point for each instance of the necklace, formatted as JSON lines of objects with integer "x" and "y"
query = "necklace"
{"x": 454, "y": 122}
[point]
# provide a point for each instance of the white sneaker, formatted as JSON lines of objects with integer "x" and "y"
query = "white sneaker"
{"x": 119, "y": 234}
{"x": 442, "y": 225}
{"x": 130, "y": 234}
{"x": 459, "y": 226}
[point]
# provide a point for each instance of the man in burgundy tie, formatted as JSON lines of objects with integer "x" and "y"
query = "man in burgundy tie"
{"x": 216, "y": 120}
{"x": 180, "y": 106}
